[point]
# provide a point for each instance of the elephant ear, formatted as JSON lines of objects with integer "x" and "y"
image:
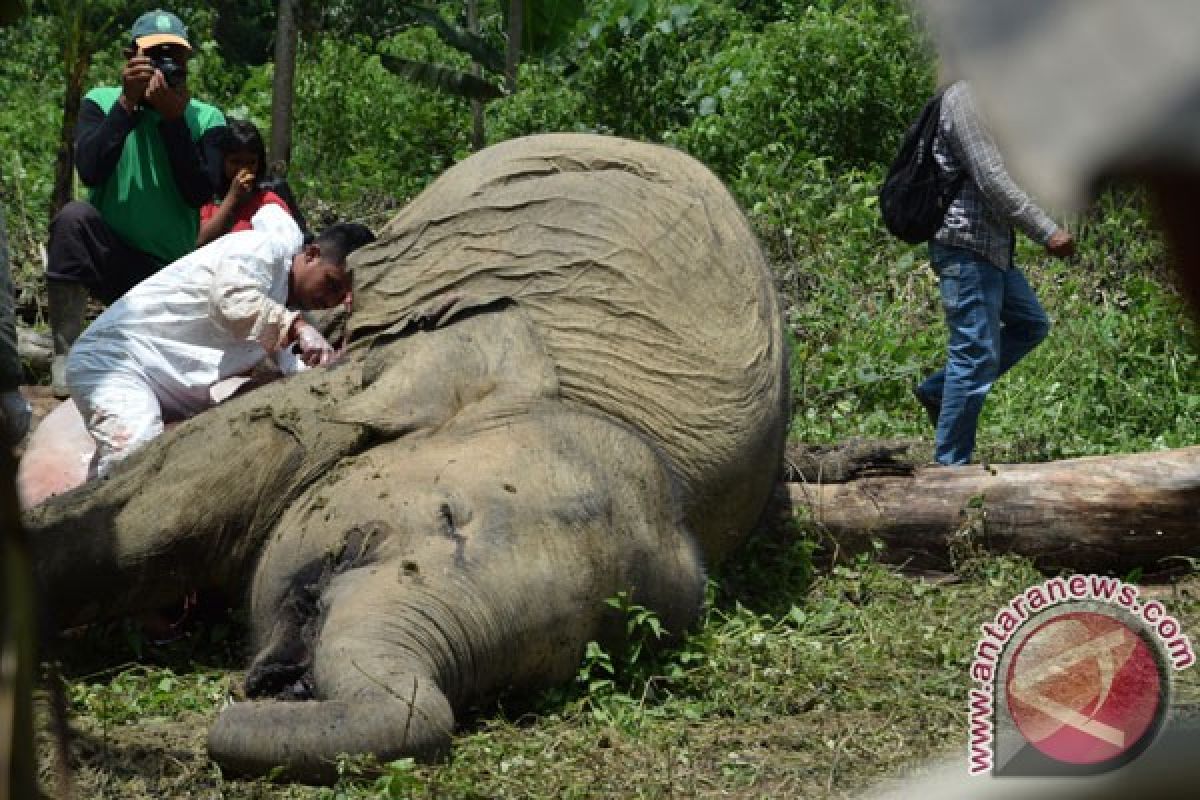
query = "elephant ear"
{"x": 645, "y": 282}
{"x": 453, "y": 360}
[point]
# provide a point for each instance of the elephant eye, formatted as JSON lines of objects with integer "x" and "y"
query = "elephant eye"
{"x": 451, "y": 518}
{"x": 446, "y": 519}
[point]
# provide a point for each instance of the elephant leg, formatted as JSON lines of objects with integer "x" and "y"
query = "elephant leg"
{"x": 192, "y": 507}
{"x": 491, "y": 357}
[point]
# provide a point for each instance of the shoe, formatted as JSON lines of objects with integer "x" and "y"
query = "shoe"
{"x": 67, "y": 303}
{"x": 15, "y": 415}
{"x": 933, "y": 408}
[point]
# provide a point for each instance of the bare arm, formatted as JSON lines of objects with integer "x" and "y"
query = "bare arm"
{"x": 219, "y": 223}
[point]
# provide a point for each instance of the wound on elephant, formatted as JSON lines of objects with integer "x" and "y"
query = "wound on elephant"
{"x": 283, "y": 670}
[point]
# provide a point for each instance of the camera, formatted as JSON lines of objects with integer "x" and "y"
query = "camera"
{"x": 174, "y": 73}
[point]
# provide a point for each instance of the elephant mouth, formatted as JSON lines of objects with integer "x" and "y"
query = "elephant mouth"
{"x": 285, "y": 682}
{"x": 283, "y": 669}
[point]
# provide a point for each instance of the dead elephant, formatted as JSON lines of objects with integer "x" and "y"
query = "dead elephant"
{"x": 567, "y": 379}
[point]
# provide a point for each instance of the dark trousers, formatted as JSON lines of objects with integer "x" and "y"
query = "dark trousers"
{"x": 83, "y": 249}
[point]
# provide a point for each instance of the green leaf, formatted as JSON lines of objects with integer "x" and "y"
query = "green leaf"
{"x": 549, "y": 24}
{"x": 462, "y": 40}
{"x": 440, "y": 78}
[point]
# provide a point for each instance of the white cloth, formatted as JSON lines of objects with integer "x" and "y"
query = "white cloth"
{"x": 215, "y": 313}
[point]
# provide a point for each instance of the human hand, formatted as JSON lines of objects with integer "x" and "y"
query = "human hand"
{"x": 242, "y": 184}
{"x": 314, "y": 350}
{"x": 1061, "y": 244}
{"x": 135, "y": 78}
{"x": 168, "y": 102}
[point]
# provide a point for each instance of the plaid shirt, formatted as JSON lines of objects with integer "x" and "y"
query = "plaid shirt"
{"x": 989, "y": 204}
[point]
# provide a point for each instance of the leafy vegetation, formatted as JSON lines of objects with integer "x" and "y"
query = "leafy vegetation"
{"x": 801, "y": 681}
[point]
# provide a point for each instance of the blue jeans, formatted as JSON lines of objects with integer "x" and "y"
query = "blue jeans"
{"x": 994, "y": 319}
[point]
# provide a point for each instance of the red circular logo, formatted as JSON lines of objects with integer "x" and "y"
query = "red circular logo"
{"x": 1084, "y": 688}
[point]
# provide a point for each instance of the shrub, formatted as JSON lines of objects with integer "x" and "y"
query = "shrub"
{"x": 361, "y": 132}
{"x": 31, "y": 86}
{"x": 633, "y": 60}
{"x": 545, "y": 104}
{"x": 840, "y": 81}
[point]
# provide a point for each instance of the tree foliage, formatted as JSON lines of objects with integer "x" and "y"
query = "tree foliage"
{"x": 838, "y": 81}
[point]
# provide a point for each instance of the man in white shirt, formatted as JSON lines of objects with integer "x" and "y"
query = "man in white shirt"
{"x": 211, "y": 315}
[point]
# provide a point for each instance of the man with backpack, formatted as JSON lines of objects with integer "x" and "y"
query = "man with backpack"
{"x": 992, "y": 314}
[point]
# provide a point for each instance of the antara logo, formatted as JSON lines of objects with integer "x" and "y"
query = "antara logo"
{"x": 1072, "y": 677}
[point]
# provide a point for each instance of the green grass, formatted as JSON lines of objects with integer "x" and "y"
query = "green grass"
{"x": 778, "y": 693}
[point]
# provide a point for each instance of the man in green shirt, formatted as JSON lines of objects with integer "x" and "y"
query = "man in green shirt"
{"x": 145, "y": 150}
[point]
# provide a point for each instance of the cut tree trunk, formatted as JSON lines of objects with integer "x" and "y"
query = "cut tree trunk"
{"x": 1107, "y": 513}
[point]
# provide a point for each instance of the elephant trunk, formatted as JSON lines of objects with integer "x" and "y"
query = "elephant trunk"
{"x": 376, "y": 675}
{"x": 306, "y": 738}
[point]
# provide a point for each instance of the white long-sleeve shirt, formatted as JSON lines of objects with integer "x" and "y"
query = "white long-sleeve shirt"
{"x": 212, "y": 314}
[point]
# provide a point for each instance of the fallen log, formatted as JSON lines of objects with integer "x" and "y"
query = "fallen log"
{"x": 1104, "y": 513}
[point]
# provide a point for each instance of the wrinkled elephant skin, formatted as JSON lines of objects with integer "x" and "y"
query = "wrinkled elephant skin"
{"x": 59, "y": 451}
{"x": 566, "y": 380}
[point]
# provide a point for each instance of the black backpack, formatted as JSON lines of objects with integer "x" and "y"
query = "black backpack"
{"x": 916, "y": 194}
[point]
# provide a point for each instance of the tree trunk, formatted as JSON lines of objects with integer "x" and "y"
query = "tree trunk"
{"x": 1087, "y": 514}
{"x": 512, "y": 56}
{"x": 64, "y": 163}
{"x": 478, "y": 138}
{"x": 76, "y": 56}
{"x": 283, "y": 88}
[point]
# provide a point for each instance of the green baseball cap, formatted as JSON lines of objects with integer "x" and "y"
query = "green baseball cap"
{"x": 159, "y": 27}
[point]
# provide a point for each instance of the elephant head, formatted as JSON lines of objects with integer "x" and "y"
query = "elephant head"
{"x": 494, "y": 534}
